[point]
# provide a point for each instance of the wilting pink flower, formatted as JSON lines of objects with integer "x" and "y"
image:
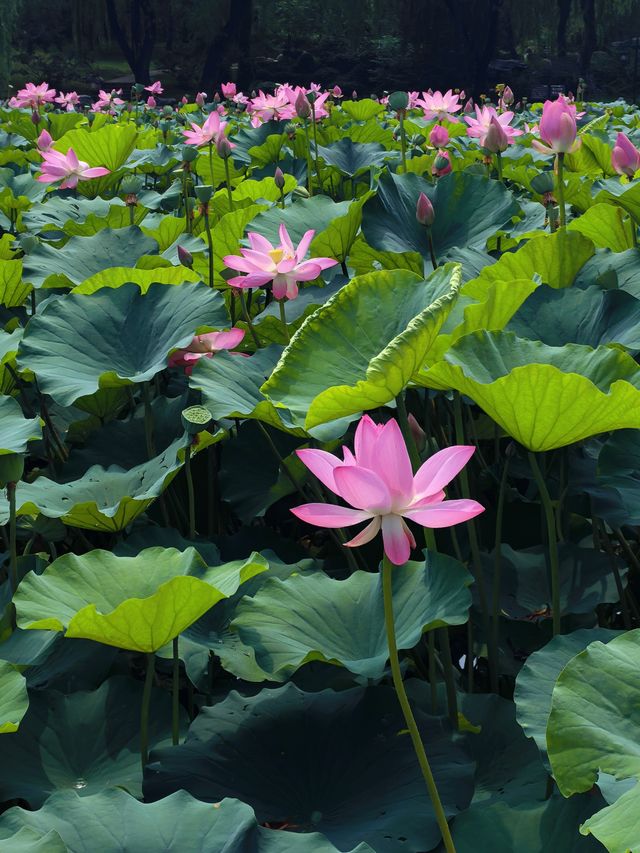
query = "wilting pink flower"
{"x": 68, "y": 169}
{"x": 267, "y": 107}
{"x": 439, "y": 106}
{"x": 229, "y": 90}
{"x": 378, "y": 483}
{"x": 557, "y": 128}
{"x": 33, "y": 96}
{"x": 44, "y": 141}
{"x": 201, "y": 97}
{"x": 151, "y": 102}
{"x": 204, "y": 346}
{"x": 284, "y": 265}
{"x": 479, "y": 126}
{"x": 442, "y": 164}
{"x": 155, "y": 88}
{"x": 206, "y": 134}
{"x": 625, "y": 157}
{"x": 425, "y": 214}
{"x": 107, "y": 101}
{"x": 69, "y": 101}
{"x": 439, "y": 136}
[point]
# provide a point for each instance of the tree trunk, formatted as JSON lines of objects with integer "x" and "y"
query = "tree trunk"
{"x": 564, "y": 12}
{"x": 590, "y": 34}
{"x": 139, "y": 50}
{"x": 477, "y": 25}
{"x": 232, "y": 43}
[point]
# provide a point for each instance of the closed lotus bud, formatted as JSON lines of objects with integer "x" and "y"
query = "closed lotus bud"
{"x": 184, "y": 100}
{"x": 201, "y": 97}
{"x": 354, "y": 95}
{"x": 469, "y": 106}
{"x": 496, "y": 140}
{"x": 44, "y": 141}
{"x": 278, "y": 177}
{"x": 11, "y": 468}
{"x": 301, "y": 191}
{"x": 35, "y": 117}
{"x": 302, "y": 105}
{"x": 442, "y": 164}
{"x": 507, "y": 95}
{"x": 216, "y": 98}
{"x": 185, "y": 257}
{"x": 439, "y": 136}
{"x": 151, "y": 102}
{"x": 419, "y": 435}
{"x": 425, "y": 214}
{"x": 625, "y": 157}
{"x": 204, "y": 193}
{"x": 223, "y": 146}
{"x": 398, "y": 101}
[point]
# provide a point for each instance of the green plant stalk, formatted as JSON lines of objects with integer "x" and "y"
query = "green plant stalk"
{"x": 315, "y": 147}
{"x": 148, "y": 421}
{"x": 403, "y": 141}
{"x": 247, "y": 319}
{"x": 282, "y": 199}
{"x": 13, "y": 554}
{"x": 499, "y": 164}
{"x": 497, "y": 566}
{"x": 421, "y": 755}
{"x": 449, "y": 680}
{"x": 207, "y": 228}
{"x": 554, "y": 562}
{"x": 190, "y": 492}
{"x": 433, "y": 684}
{"x": 185, "y": 193}
{"x": 227, "y": 172}
{"x": 561, "y": 205}
{"x": 309, "y": 169}
{"x": 144, "y": 712}
{"x": 283, "y": 319}
{"x": 211, "y": 162}
{"x": 175, "y": 695}
{"x": 434, "y": 262}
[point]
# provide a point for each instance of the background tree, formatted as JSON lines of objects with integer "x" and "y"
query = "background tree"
{"x": 134, "y": 29}
{"x": 8, "y": 15}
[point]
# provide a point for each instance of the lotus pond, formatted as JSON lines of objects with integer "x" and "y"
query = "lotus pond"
{"x": 233, "y": 332}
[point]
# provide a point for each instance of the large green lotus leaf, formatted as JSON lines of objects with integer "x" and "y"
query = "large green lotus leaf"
{"x": 468, "y": 210}
{"x": 537, "y": 678}
{"x": 268, "y": 323}
{"x": 363, "y": 258}
{"x": 115, "y": 822}
{"x": 14, "y": 700}
{"x": 606, "y": 226}
{"x": 104, "y": 499}
{"x": 114, "y": 337}
{"x": 360, "y": 349}
{"x": 594, "y": 724}
{"x": 617, "y": 826}
{"x": 108, "y": 146}
{"x": 28, "y": 840}
{"x": 265, "y": 189}
{"x": 618, "y": 470}
{"x": 627, "y": 196}
{"x": 305, "y": 737}
{"x": 231, "y": 385}
{"x": 545, "y": 397}
{"x": 117, "y": 276}
{"x": 293, "y": 621}
{"x": 13, "y": 291}
{"x": 590, "y": 316}
{"x": 353, "y": 157}
{"x": 59, "y": 213}
{"x": 81, "y": 257}
{"x": 117, "y": 217}
{"x": 612, "y": 270}
{"x": 16, "y": 431}
{"x": 363, "y": 109}
{"x": 86, "y": 741}
{"x": 138, "y": 603}
{"x": 555, "y": 258}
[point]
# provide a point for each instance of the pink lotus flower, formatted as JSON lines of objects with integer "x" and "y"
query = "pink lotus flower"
{"x": 299, "y": 94}
{"x": 284, "y": 265}
{"x": 155, "y": 88}
{"x": 204, "y": 346}
{"x": 69, "y": 101}
{"x": 201, "y": 97}
{"x": 496, "y": 140}
{"x": 442, "y": 164}
{"x": 439, "y": 106}
{"x": 44, "y": 142}
{"x": 206, "y": 134}
{"x": 557, "y": 128}
{"x": 625, "y": 157}
{"x": 151, "y": 102}
{"x": 229, "y": 90}
{"x": 268, "y": 107}
{"x": 336, "y": 93}
{"x": 479, "y": 126}
{"x": 33, "y": 96}
{"x": 68, "y": 169}
{"x": 107, "y": 101}
{"x": 378, "y": 483}
{"x": 439, "y": 136}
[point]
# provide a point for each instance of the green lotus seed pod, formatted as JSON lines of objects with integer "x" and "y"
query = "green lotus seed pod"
{"x": 189, "y": 153}
{"x": 398, "y": 101}
{"x": 543, "y": 183}
{"x": 195, "y": 419}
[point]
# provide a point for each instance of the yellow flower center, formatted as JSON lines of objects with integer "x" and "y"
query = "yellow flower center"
{"x": 276, "y": 255}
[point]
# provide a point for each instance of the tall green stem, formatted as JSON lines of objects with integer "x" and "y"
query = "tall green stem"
{"x": 247, "y": 319}
{"x": 560, "y": 164}
{"x": 207, "y": 227}
{"x": 190, "y": 492}
{"x": 434, "y": 260}
{"x": 211, "y": 162}
{"x": 309, "y": 169}
{"x": 144, "y": 711}
{"x": 403, "y": 141}
{"x": 175, "y": 696}
{"x": 499, "y": 164}
{"x": 421, "y": 755}
{"x": 227, "y": 172}
{"x": 283, "y": 319}
{"x": 554, "y": 562}
{"x": 148, "y": 421}
{"x": 13, "y": 553}
{"x": 315, "y": 147}
{"x": 497, "y": 566}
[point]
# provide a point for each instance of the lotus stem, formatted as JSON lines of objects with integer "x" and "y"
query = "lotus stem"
{"x": 554, "y": 562}
{"x": 283, "y": 319}
{"x": 144, "y": 712}
{"x": 433, "y": 684}
{"x": 309, "y": 169}
{"x": 421, "y": 755}
{"x": 499, "y": 165}
{"x": 497, "y": 566}
{"x": 315, "y": 146}
{"x": 434, "y": 261}
{"x": 207, "y": 227}
{"x": 148, "y": 421}
{"x": 13, "y": 554}
{"x": 175, "y": 696}
{"x": 561, "y": 205}
{"x": 247, "y": 319}
{"x": 403, "y": 141}
{"x": 227, "y": 172}
{"x": 190, "y": 492}
{"x": 211, "y": 162}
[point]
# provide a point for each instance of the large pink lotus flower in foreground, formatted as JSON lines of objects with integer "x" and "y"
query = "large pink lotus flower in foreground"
{"x": 439, "y": 106}
{"x": 284, "y": 265}
{"x": 206, "y": 134}
{"x": 68, "y": 169}
{"x": 479, "y": 126}
{"x": 625, "y": 157}
{"x": 378, "y": 483}
{"x": 33, "y": 96}
{"x": 558, "y": 130}
{"x": 204, "y": 346}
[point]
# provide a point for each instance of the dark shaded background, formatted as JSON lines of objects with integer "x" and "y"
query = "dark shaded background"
{"x": 366, "y": 45}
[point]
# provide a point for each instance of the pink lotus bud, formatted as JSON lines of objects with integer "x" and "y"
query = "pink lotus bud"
{"x": 223, "y": 146}
{"x": 201, "y": 97}
{"x": 558, "y": 126}
{"x": 469, "y": 106}
{"x": 302, "y": 105}
{"x": 625, "y": 157}
{"x": 425, "y": 214}
{"x": 184, "y": 100}
{"x": 442, "y": 163}
{"x": 35, "y": 117}
{"x": 507, "y": 95}
{"x": 278, "y": 177}
{"x": 44, "y": 141}
{"x": 336, "y": 92}
{"x": 151, "y": 102}
{"x": 461, "y": 95}
{"x": 354, "y": 95}
{"x": 495, "y": 139}
{"x": 439, "y": 136}
{"x": 229, "y": 90}
{"x": 185, "y": 257}
{"x": 419, "y": 435}
{"x": 216, "y": 98}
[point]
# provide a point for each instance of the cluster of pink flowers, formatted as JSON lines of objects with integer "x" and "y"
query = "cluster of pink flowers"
{"x": 493, "y": 130}
{"x": 108, "y": 101}
{"x": 209, "y": 133}
{"x": 281, "y": 105}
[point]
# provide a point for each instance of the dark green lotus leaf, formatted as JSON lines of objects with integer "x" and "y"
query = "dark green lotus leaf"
{"x": 606, "y": 226}
{"x": 113, "y": 337}
{"x": 468, "y": 210}
{"x": 592, "y": 316}
{"x": 55, "y": 663}
{"x": 611, "y": 270}
{"x": 138, "y": 603}
{"x": 536, "y": 680}
{"x": 353, "y": 157}
{"x": 618, "y": 471}
{"x": 360, "y": 349}
{"x": 14, "y": 700}
{"x": 107, "y": 500}
{"x": 82, "y": 257}
{"x": 304, "y": 738}
{"x": 13, "y": 291}
{"x": 59, "y": 211}
{"x": 86, "y": 742}
{"x": 16, "y": 431}
{"x": 114, "y": 820}
{"x": 303, "y": 618}
{"x": 545, "y": 397}
{"x": 28, "y": 840}
{"x": 269, "y": 324}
